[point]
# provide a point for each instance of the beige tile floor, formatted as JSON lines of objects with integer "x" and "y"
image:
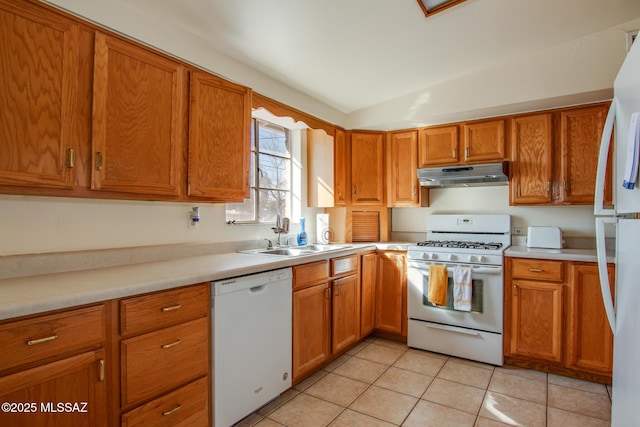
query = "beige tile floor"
{"x": 384, "y": 383}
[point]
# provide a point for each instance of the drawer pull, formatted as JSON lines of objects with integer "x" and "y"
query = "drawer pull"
{"x": 172, "y": 308}
{"x": 101, "y": 376}
{"x": 42, "y": 340}
{"x": 173, "y": 344}
{"x": 166, "y": 414}
{"x": 536, "y": 270}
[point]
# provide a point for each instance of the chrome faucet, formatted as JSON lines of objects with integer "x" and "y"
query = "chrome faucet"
{"x": 282, "y": 227}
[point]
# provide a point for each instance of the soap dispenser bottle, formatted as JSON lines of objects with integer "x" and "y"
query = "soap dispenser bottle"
{"x": 302, "y": 235}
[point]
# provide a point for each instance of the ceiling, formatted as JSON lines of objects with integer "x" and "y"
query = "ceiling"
{"x": 352, "y": 54}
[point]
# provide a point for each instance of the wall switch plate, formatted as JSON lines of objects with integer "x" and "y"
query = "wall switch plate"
{"x": 518, "y": 231}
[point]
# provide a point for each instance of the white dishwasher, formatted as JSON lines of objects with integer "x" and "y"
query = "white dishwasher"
{"x": 251, "y": 326}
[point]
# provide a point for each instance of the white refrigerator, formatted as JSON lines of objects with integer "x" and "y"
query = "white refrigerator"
{"x": 624, "y": 315}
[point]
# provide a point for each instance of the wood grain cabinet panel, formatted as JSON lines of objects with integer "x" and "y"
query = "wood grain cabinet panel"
{"x": 367, "y": 169}
{"x": 391, "y": 284}
{"x": 76, "y": 379}
{"x": 311, "y": 328}
{"x": 38, "y": 87}
{"x": 368, "y": 272}
{"x": 484, "y": 141}
{"x": 219, "y": 139}
{"x": 403, "y": 165}
{"x": 536, "y": 320}
{"x": 580, "y": 134}
{"x": 341, "y": 172}
{"x": 159, "y": 361}
{"x": 438, "y": 145}
{"x": 345, "y": 313}
{"x": 589, "y": 340}
{"x": 532, "y": 148}
{"x": 138, "y": 114}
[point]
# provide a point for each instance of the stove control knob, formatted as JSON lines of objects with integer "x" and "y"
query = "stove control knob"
{"x": 434, "y": 256}
{"x": 471, "y": 258}
{"x": 483, "y": 259}
{"x": 425, "y": 256}
{"x": 452, "y": 257}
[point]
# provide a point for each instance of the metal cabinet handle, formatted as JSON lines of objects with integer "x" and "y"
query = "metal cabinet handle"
{"x": 173, "y": 344}
{"x": 536, "y": 270}
{"x": 72, "y": 158}
{"x": 466, "y": 153}
{"x": 327, "y": 292}
{"x": 166, "y": 414}
{"x": 101, "y": 375}
{"x": 99, "y": 161}
{"x": 415, "y": 191}
{"x": 42, "y": 340}
{"x": 172, "y": 308}
{"x": 515, "y": 290}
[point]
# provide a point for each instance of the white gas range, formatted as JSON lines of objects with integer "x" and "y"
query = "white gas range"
{"x": 476, "y": 242}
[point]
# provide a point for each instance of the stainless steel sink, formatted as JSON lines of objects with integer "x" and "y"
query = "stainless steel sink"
{"x": 297, "y": 250}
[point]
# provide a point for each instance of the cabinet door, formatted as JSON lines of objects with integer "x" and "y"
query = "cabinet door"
{"x": 367, "y": 169}
{"x": 139, "y": 101}
{"x": 369, "y": 266}
{"x": 320, "y": 173}
{"x": 311, "y": 328}
{"x": 580, "y": 133}
{"x": 589, "y": 340}
{"x": 38, "y": 86}
{"x": 390, "y": 298}
{"x": 438, "y": 146}
{"x": 484, "y": 141}
{"x": 219, "y": 139}
{"x": 77, "y": 380}
{"x": 532, "y": 148}
{"x": 341, "y": 174}
{"x": 403, "y": 161}
{"x": 536, "y": 320}
{"x": 345, "y": 313}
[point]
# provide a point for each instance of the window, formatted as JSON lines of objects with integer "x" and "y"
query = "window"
{"x": 430, "y": 7}
{"x": 270, "y": 176}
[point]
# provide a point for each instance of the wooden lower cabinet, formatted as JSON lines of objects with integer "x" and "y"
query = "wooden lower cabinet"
{"x": 311, "y": 328}
{"x": 345, "y": 320}
{"x": 391, "y": 293}
{"x": 555, "y": 319}
{"x": 589, "y": 340}
{"x": 368, "y": 272}
{"x": 53, "y": 369}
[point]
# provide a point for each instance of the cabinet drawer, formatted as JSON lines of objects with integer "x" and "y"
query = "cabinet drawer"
{"x": 46, "y": 336}
{"x": 154, "y": 311}
{"x": 187, "y": 406}
{"x": 345, "y": 265}
{"x": 310, "y": 274}
{"x": 156, "y": 362}
{"x": 536, "y": 269}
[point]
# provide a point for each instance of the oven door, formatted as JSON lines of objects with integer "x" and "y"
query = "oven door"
{"x": 486, "y": 306}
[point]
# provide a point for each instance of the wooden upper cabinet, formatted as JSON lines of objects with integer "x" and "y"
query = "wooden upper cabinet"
{"x": 38, "y": 87}
{"x": 320, "y": 171}
{"x": 484, "y": 141}
{"x": 438, "y": 146}
{"x": 532, "y": 166}
{"x": 341, "y": 173}
{"x": 219, "y": 139}
{"x": 580, "y": 131}
{"x": 367, "y": 168}
{"x": 404, "y": 189}
{"x": 139, "y": 101}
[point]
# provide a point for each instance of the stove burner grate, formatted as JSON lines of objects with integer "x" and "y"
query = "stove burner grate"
{"x": 460, "y": 245}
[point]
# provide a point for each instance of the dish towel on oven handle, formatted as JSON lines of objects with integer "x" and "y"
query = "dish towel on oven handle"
{"x": 462, "y": 290}
{"x": 438, "y": 283}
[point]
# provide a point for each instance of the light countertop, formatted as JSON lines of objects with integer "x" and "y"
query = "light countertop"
{"x": 585, "y": 255}
{"x": 26, "y": 295}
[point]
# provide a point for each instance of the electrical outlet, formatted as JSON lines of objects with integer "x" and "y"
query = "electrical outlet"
{"x": 518, "y": 231}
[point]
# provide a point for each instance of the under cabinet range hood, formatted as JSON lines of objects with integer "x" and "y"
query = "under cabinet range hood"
{"x": 465, "y": 175}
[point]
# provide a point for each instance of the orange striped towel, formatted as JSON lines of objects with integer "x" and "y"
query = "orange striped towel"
{"x": 462, "y": 291}
{"x": 438, "y": 282}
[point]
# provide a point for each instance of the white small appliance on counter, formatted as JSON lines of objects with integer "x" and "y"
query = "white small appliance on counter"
{"x": 544, "y": 237}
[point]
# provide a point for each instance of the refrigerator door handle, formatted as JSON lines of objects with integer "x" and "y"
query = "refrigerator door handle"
{"x": 603, "y": 157}
{"x": 605, "y": 287}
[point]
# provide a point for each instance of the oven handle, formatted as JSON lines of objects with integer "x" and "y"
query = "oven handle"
{"x": 424, "y": 268}
{"x": 453, "y": 329}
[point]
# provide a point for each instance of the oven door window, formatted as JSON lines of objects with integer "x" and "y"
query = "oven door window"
{"x": 476, "y": 294}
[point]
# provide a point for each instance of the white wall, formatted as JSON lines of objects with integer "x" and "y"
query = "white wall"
{"x": 575, "y": 221}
